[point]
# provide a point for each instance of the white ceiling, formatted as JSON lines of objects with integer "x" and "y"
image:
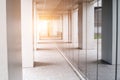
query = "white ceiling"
{"x": 55, "y": 6}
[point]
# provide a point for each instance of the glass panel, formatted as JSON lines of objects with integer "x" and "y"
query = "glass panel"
{"x": 92, "y": 40}
{"x": 106, "y": 49}
{"x": 95, "y": 60}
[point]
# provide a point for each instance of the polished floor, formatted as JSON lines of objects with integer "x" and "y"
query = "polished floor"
{"x": 87, "y": 62}
{"x": 49, "y": 65}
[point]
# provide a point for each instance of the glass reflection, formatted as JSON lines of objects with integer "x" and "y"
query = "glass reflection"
{"x": 94, "y": 61}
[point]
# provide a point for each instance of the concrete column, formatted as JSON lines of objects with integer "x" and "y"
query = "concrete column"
{"x": 69, "y": 27}
{"x": 109, "y": 31}
{"x": 61, "y": 24}
{"x": 35, "y": 26}
{"x": 27, "y": 32}
{"x": 3, "y": 42}
{"x": 75, "y": 28}
{"x": 65, "y": 27}
{"x": 14, "y": 39}
{"x": 10, "y": 42}
{"x": 86, "y": 25}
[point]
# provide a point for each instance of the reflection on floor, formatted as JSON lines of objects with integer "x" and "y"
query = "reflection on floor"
{"x": 86, "y": 62}
{"x": 49, "y": 65}
{"x": 50, "y": 38}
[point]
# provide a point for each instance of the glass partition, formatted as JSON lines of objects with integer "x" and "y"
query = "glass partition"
{"x": 93, "y": 43}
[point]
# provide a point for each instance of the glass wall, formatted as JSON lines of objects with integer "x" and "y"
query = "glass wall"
{"x": 98, "y": 59}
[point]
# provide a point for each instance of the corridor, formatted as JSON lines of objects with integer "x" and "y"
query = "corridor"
{"x": 60, "y": 40}
{"x": 49, "y": 65}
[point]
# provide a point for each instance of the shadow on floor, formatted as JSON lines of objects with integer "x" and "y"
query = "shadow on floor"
{"x": 39, "y": 64}
{"x": 99, "y": 62}
{"x": 45, "y": 49}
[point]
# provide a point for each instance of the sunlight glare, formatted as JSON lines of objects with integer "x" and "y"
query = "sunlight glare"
{"x": 43, "y": 25}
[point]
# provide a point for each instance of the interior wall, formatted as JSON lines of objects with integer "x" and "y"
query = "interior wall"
{"x": 14, "y": 39}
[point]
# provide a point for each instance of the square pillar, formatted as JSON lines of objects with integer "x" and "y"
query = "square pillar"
{"x": 3, "y": 42}
{"x": 75, "y": 28}
{"x": 10, "y": 41}
{"x": 65, "y": 27}
{"x": 69, "y": 26}
{"x": 86, "y": 25}
{"x": 27, "y": 33}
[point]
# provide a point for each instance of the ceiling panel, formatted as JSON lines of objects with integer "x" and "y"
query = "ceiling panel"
{"x": 52, "y": 6}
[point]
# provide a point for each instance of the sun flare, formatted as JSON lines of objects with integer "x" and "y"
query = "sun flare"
{"x": 43, "y": 27}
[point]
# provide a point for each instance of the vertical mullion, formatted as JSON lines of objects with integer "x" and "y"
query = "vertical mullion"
{"x": 116, "y": 67}
{"x": 97, "y": 18}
